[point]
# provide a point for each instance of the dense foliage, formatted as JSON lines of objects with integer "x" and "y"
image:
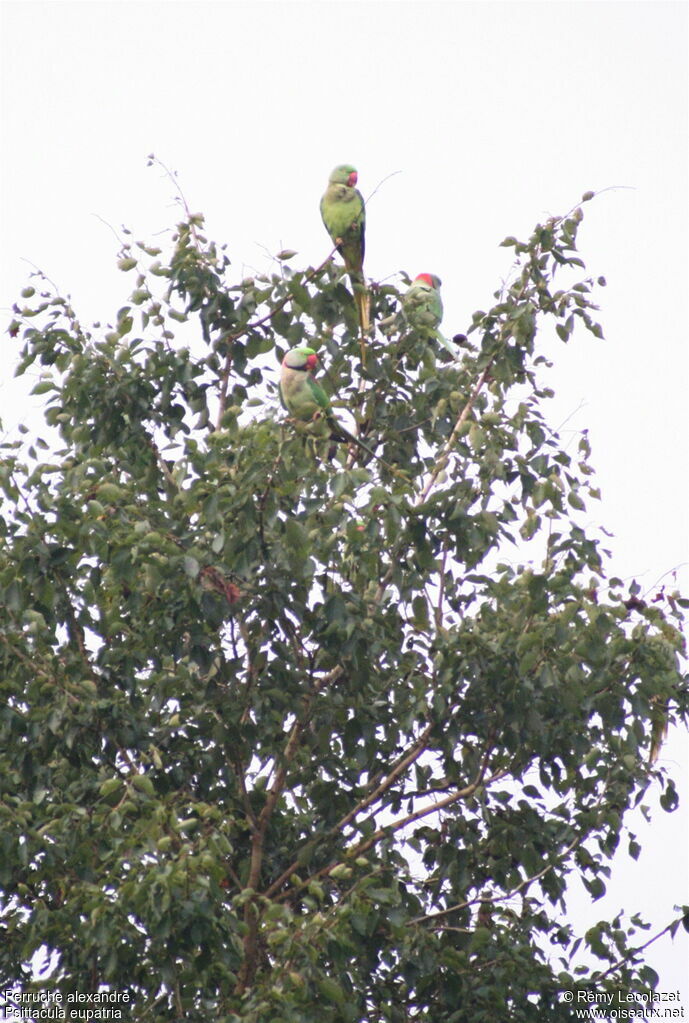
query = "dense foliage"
{"x": 288, "y": 734}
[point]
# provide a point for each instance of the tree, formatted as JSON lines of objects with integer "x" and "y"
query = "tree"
{"x": 289, "y": 734}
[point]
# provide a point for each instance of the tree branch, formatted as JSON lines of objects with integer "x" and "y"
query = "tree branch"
{"x": 445, "y": 453}
{"x": 500, "y": 898}
{"x": 518, "y": 888}
{"x": 635, "y": 951}
{"x": 251, "y": 917}
{"x": 425, "y": 811}
{"x": 400, "y": 767}
{"x": 229, "y": 338}
{"x": 402, "y": 764}
{"x": 430, "y": 808}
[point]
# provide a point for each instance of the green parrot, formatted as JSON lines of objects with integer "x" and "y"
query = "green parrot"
{"x": 305, "y": 399}
{"x": 344, "y": 215}
{"x": 422, "y": 309}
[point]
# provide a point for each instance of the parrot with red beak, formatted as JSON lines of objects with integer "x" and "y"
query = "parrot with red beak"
{"x": 305, "y": 399}
{"x": 422, "y": 309}
{"x": 344, "y": 216}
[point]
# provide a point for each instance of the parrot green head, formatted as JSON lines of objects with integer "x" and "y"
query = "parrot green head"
{"x": 430, "y": 279}
{"x": 300, "y": 358}
{"x": 345, "y": 174}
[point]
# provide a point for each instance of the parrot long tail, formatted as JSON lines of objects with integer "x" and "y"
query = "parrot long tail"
{"x": 363, "y": 304}
{"x": 339, "y": 433}
{"x": 659, "y": 730}
{"x": 447, "y": 345}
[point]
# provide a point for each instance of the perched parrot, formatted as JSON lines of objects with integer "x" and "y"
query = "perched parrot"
{"x": 305, "y": 399}
{"x": 422, "y": 308}
{"x": 344, "y": 215}
{"x": 422, "y": 303}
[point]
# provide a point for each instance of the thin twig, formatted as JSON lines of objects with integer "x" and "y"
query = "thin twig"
{"x": 499, "y": 898}
{"x": 426, "y": 810}
{"x": 445, "y": 453}
{"x": 109, "y": 225}
{"x": 635, "y": 951}
{"x": 522, "y": 884}
{"x": 228, "y": 338}
{"x": 389, "y": 829}
{"x": 380, "y": 184}
{"x": 172, "y": 175}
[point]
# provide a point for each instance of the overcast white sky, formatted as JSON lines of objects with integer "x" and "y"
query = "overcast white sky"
{"x": 495, "y": 115}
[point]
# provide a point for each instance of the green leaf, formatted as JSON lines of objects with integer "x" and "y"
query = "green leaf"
{"x": 191, "y": 566}
{"x": 43, "y": 386}
{"x": 330, "y": 990}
